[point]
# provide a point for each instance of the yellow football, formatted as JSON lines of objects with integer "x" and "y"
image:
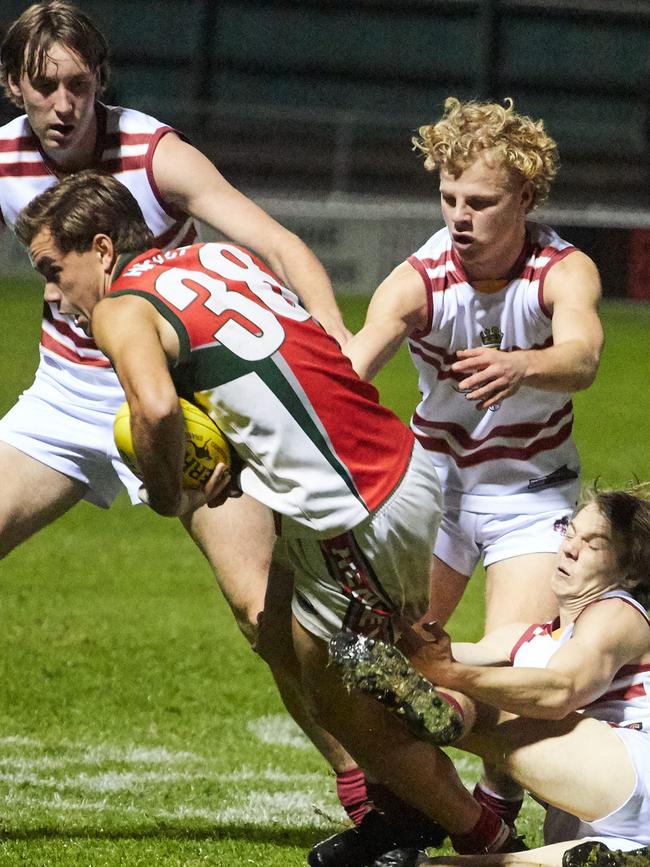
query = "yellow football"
{"x": 206, "y": 446}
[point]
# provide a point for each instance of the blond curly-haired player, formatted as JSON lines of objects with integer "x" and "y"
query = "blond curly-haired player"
{"x": 500, "y": 316}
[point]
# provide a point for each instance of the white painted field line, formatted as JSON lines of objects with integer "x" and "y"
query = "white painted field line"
{"x": 294, "y": 810}
{"x": 27, "y": 772}
{"x": 278, "y": 730}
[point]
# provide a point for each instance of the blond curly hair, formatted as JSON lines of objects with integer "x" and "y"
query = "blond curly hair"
{"x": 467, "y": 128}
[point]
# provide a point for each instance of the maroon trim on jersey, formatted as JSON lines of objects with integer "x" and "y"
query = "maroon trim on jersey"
{"x": 169, "y": 234}
{"x": 428, "y": 288}
{"x": 428, "y": 263}
{"x": 352, "y": 571}
{"x": 115, "y": 139}
{"x": 515, "y": 271}
{"x": 630, "y": 602}
{"x": 57, "y": 348}
{"x": 432, "y": 444}
{"x": 524, "y": 430}
{"x": 21, "y": 143}
{"x": 122, "y": 164}
{"x": 624, "y": 693}
{"x": 555, "y": 257}
{"x": 434, "y": 362}
{"x": 530, "y": 633}
{"x": 25, "y": 170}
{"x": 423, "y": 347}
{"x": 168, "y": 208}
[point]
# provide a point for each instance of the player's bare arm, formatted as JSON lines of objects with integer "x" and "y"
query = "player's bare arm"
{"x": 572, "y": 291}
{"x": 610, "y": 635}
{"x": 188, "y": 179}
{"x": 126, "y": 330}
{"x": 398, "y": 307}
{"x": 142, "y": 346}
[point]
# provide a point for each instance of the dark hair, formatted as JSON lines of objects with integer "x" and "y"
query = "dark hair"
{"x": 628, "y": 514}
{"x": 81, "y": 206}
{"x": 25, "y": 47}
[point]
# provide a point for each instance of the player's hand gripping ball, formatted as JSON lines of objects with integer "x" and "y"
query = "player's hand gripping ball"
{"x": 206, "y": 446}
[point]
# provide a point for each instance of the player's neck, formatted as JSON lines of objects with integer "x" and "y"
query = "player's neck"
{"x": 497, "y": 267}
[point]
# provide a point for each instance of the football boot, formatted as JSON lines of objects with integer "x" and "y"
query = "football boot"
{"x": 379, "y": 669}
{"x": 374, "y": 836}
{"x": 593, "y": 854}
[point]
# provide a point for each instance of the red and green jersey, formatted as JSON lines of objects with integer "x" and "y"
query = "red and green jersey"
{"x": 317, "y": 445}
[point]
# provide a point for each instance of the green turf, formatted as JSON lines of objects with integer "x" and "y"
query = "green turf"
{"x": 136, "y": 727}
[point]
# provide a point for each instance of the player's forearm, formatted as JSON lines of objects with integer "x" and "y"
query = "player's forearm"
{"x": 299, "y": 268}
{"x": 569, "y": 366}
{"x": 540, "y": 693}
{"x": 159, "y": 441}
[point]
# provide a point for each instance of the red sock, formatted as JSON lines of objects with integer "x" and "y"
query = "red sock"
{"x": 351, "y": 789}
{"x": 506, "y": 808}
{"x": 488, "y": 835}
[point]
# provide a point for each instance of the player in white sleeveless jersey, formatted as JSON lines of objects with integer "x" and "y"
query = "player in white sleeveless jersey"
{"x": 501, "y": 320}
{"x": 56, "y": 444}
{"x": 564, "y": 707}
{"x": 356, "y": 494}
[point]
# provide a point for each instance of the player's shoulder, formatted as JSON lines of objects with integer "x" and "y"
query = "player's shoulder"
{"x": 436, "y": 246}
{"x": 545, "y": 238}
{"x": 18, "y": 128}
{"x": 616, "y": 612}
{"x": 132, "y": 120}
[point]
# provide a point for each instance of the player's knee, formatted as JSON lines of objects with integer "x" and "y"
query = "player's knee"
{"x": 274, "y": 642}
{"x": 12, "y": 533}
{"x": 247, "y": 620}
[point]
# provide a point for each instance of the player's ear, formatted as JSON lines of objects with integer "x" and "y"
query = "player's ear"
{"x": 528, "y": 195}
{"x": 103, "y": 245}
{"x": 15, "y": 90}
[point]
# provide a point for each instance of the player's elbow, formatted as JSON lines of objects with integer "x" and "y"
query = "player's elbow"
{"x": 155, "y": 407}
{"x": 558, "y": 703}
{"x": 588, "y": 368}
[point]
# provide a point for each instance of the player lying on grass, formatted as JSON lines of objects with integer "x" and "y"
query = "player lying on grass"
{"x": 357, "y": 499}
{"x": 563, "y": 707}
{"x": 56, "y": 444}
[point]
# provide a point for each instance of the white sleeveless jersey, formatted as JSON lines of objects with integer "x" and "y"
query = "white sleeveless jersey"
{"x": 522, "y": 449}
{"x": 627, "y": 700}
{"x": 126, "y": 141}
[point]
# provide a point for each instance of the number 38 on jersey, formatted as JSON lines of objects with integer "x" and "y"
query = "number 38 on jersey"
{"x": 245, "y": 326}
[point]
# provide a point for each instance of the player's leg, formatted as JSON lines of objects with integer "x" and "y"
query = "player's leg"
{"x": 238, "y": 540}
{"x": 518, "y": 590}
{"x": 545, "y": 856}
{"x": 549, "y": 756}
{"x": 33, "y": 496}
{"x": 520, "y": 555}
{"x": 365, "y": 579}
{"x": 418, "y": 773}
{"x": 455, "y": 557}
{"x": 56, "y": 448}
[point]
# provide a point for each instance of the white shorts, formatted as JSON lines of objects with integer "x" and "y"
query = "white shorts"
{"x": 380, "y": 568}
{"x": 626, "y": 828}
{"x": 65, "y": 421}
{"x": 466, "y": 537}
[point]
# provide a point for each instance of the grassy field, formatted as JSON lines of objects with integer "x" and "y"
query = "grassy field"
{"x": 136, "y": 727}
